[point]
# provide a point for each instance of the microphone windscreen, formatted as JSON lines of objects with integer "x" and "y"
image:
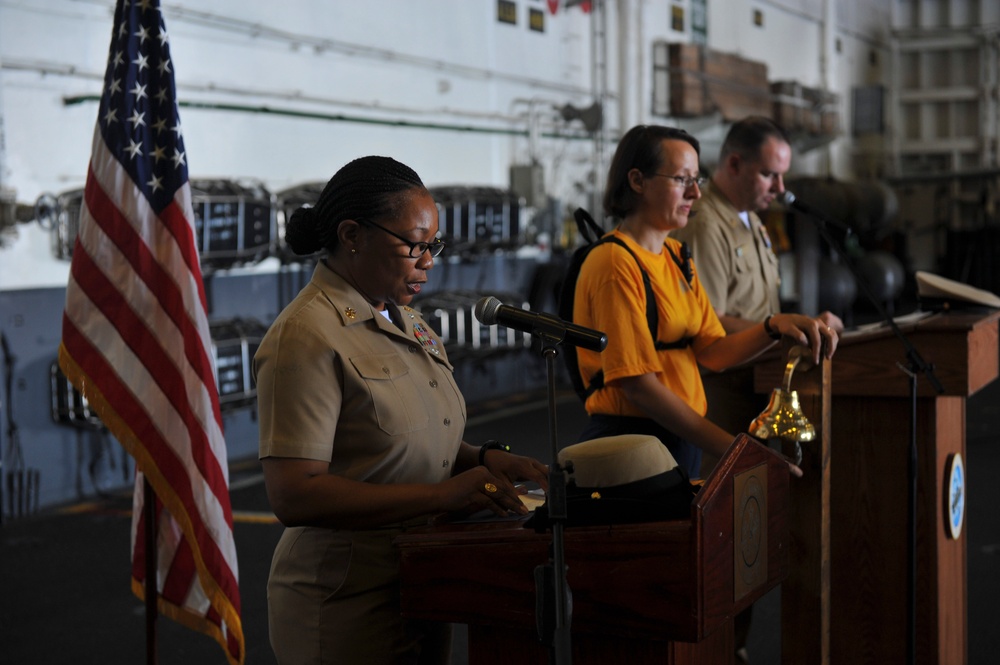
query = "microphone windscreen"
{"x": 786, "y": 198}
{"x": 486, "y": 310}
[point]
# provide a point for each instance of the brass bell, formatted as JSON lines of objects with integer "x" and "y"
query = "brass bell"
{"x": 782, "y": 425}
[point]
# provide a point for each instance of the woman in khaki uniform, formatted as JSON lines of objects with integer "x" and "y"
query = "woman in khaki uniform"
{"x": 361, "y": 426}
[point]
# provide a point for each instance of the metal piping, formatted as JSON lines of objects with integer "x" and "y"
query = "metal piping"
{"x": 340, "y": 117}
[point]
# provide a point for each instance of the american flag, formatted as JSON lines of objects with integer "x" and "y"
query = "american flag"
{"x": 135, "y": 338}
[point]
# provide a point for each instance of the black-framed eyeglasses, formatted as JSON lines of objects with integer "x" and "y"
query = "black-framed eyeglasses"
{"x": 417, "y": 249}
{"x": 685, "y": 181}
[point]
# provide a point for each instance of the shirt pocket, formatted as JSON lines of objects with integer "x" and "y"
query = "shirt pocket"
{"x": 399, "y": 407}
{"x": 743, "y": 261}
{"x": 771, "y": 261}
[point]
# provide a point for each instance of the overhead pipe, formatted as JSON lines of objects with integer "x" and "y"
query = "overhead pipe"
{"x": 340, "y": 117}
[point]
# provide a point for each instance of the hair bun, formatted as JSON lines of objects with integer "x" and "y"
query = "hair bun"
{"x": 301, "y": 232}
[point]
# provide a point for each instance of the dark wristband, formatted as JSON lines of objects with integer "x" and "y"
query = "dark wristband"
{"x": 772, "y": 333}
{"x": 491, "y": 445}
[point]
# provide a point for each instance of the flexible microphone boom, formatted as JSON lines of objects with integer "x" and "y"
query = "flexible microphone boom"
{"x": 789, "y": 200}
{"x": 491, "y": 311}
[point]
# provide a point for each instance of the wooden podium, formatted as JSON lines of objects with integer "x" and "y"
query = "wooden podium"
{"x": 662, "y": 592}
{"x": 869, "y": 493}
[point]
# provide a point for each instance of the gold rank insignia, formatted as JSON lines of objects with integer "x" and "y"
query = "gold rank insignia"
{"x": 350, "y": 313}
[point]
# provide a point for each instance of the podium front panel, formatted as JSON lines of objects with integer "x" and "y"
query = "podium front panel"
{"x": 661, "y": 581}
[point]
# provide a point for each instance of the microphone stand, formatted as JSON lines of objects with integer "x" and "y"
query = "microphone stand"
{"x": 553, "y": 600}
{"x": 553, "y": 608}
{"x": 915, "y": 366}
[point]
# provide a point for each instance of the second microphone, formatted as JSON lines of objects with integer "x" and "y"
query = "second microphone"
{"x": 491, "y": 311}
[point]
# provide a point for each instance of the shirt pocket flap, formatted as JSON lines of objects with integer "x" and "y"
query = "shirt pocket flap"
{"x": 380, "y": 366}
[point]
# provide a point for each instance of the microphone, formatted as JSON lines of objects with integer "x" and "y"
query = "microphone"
{"x": 491, "y": 311}
{"x": 789, "y": 200}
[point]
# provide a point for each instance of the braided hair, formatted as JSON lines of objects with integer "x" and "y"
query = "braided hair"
{"x": 368, "y": 187}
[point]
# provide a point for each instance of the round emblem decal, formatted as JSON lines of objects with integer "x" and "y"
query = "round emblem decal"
{"x": 954, "y": 510}
{"x": 750, "y": 536}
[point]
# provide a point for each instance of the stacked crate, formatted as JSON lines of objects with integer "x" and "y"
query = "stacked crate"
{"x": 234, "y": 222}
{"x": 703, "y": 81}
{"x": 800, "y": 109}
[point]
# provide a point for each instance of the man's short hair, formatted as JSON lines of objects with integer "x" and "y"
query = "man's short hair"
{"x": 746, "y": 137}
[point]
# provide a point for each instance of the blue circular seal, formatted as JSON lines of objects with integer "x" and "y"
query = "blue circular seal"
{"x": 955, "y": 500}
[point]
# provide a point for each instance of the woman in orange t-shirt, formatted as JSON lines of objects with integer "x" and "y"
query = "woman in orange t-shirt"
{"x": 654, "y": 388}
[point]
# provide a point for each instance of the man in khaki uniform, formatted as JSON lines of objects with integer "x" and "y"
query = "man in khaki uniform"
{"x": 732, "y": 250}
{"x": 738, "y": 267}
{"x": 728, "y": 240}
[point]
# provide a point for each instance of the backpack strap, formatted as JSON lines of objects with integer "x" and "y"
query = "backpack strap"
{"x": 684, "y": 263}
{"x": 589, "y": 229}
{"x": 652, "y": 316}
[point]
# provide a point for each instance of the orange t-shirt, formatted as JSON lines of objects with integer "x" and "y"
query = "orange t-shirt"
{"x": 610, "y": 297}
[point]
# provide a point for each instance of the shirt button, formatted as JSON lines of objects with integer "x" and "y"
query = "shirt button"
{"x": 433, "y": 383}
{"x": 411, "y": 349}
{"x": 447, "y": 422}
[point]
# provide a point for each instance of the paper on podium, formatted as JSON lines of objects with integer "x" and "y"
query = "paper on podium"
{"x": 865, "y": 328}
{"x": 533, "y": 498}
{"x": 950, "y": 294}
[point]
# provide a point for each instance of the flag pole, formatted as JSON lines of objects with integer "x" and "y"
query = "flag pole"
{"x": 149, "y": 508}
